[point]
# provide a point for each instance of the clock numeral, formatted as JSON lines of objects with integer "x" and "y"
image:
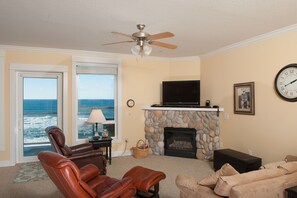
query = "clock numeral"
{"x": 291, "y": 93}
{"x": 292, "y": 71}
{"x": 282, "y": 88}
{"x": 286, "y": 92}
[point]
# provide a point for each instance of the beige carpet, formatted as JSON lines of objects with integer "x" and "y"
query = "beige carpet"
{"x": 171, "y": 166}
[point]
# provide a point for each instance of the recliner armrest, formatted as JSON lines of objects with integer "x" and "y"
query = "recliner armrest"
{"x": 94, "y": 153}
{"x": 82, "y": 148}
{"x": 89, "y": 172}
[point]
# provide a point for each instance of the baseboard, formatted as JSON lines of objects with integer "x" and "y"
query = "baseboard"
{"x": 121, "y": 153}
{"x": 6, "y": 163}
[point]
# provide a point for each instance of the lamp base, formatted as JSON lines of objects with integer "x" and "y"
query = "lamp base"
{"x": 96, "y": 136}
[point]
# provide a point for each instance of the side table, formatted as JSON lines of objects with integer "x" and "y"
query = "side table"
{"x": 292, "y": 192}
{"x": 103, "y": 142}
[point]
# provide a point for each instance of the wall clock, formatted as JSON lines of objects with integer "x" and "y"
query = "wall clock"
{"x": 130, "y": 103}
{"x": 286, "y": 83}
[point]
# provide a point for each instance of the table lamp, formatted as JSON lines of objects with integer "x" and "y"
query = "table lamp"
{"x": 96, "y": 117}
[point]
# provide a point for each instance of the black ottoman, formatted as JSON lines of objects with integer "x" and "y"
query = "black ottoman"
{"x": 240, "y": 161}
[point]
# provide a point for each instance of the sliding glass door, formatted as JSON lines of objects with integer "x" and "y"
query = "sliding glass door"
{"x": 40, "y": 106}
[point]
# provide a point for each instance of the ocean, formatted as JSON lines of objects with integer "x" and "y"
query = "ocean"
{"x": 39, "y": 114}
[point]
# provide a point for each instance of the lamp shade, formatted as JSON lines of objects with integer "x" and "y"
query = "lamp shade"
{"x": 96, "y": 116}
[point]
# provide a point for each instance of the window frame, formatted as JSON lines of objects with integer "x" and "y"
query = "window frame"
{"x": 95, "y": 63}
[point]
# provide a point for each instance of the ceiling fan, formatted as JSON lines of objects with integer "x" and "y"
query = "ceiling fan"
{"x": 144, "y": 40}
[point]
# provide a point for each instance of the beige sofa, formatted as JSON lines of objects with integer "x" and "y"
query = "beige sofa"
{"x": 270, "y": 181}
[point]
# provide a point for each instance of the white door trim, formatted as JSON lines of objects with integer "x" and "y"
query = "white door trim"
{"x": 2, "y": 134}
{"x": 14, "y": 69}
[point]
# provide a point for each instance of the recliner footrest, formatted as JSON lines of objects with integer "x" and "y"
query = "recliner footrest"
{"x": 145, "y": 179}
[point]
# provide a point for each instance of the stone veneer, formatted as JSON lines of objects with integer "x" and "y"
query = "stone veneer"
{"x": 206, "y": 124}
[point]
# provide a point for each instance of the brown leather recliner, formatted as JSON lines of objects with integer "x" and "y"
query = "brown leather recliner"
{"x": 81, "y": 154}
{"x": 84, "y": 182}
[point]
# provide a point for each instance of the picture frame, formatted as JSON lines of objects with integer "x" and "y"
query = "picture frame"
{"x": 244, "y": 98}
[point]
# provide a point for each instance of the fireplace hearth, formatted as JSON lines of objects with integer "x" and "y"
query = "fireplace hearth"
{"x": 180, "y": 142}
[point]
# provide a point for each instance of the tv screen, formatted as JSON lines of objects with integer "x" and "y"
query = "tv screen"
{"x": 181, "y": 92}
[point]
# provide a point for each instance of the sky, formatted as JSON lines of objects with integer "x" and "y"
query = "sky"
{"x": 90, "y": 86}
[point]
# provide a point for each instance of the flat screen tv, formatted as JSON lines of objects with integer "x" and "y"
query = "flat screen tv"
{"x": 181, "y": 92}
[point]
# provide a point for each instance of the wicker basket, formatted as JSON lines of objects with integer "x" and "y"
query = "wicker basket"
{"x": 141, "y": 150}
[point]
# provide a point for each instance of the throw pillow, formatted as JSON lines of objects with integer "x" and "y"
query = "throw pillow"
{"x": 290, "y": 167}
{"x": 211, "y": 180}
{"x": 290, "y": 158}
{"x": 273, "y": 165}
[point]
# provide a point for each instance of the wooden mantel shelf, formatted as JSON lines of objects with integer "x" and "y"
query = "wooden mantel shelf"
{"x": 181, "y": 109}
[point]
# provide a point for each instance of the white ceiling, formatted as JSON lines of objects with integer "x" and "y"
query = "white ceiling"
{"x": 200, "y": 26}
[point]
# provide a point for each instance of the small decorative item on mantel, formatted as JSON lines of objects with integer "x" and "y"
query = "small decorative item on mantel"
{"x": 141, "y": 150}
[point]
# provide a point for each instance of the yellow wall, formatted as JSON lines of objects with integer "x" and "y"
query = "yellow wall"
{"x": 272, "y": 132}
{"x": 141, "y": 81}
{"x": 26, "y": 57}
{"x": 185, "y": 69}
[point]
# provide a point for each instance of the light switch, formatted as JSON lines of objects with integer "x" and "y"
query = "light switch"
{"x": 226, "y": 116}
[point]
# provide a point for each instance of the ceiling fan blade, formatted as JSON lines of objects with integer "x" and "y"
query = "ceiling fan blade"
{"x": 160, "y": 35}
{"x": 123, "y": 34}
{"x": 118, "y": 42}
{"x": 161, "y": 44}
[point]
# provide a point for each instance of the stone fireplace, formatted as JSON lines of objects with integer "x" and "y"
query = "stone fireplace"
{"x": 205, "y": 122}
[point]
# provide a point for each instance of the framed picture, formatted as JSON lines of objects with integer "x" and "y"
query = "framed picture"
{"x": 244, "y": 98}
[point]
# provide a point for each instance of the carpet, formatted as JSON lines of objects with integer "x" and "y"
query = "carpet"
{"x": 29, "y": 172}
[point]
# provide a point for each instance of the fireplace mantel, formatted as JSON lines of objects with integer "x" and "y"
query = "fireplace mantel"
{"x": 204, "y": 120}
{"x": 181, "y": 109}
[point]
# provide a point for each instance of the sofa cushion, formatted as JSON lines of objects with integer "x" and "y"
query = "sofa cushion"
{"x": 211, "y": 180}
{"x": 272, "y": 188}
{"x": 225, "y": 183}
{"x": 290, "y": 167}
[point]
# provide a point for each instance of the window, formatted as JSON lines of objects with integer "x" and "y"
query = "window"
{"x": 96, "y": 88}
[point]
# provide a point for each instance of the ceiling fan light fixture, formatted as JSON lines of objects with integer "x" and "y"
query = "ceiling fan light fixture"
{"x": 147, "y": 50}
{"x": 135, "y": 50}
{"x": 141, "y": 50}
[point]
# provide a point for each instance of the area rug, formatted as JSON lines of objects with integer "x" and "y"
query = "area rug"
{"x": 30, "y": 172}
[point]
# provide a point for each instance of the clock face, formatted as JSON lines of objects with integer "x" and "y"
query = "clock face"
{"x": 130, "y": 103}
{"x": 286, "y": 83}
